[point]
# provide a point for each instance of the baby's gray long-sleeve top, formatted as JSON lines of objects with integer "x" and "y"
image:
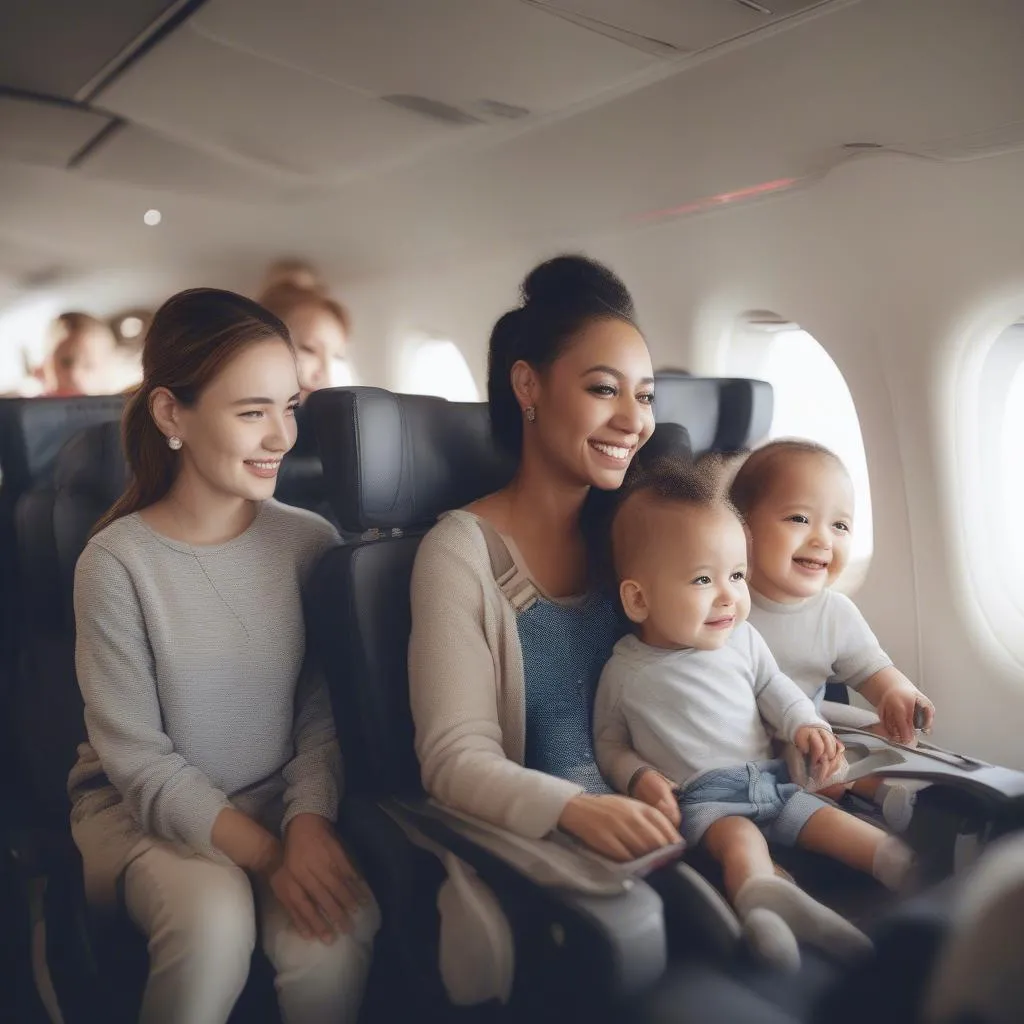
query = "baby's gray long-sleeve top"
{"x": 190, "y": 661}
{"x": 687, "y": 712}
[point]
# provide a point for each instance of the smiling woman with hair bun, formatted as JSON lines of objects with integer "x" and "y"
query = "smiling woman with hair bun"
{"x": 502, "y": 689}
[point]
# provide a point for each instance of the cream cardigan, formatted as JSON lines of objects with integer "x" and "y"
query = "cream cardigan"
{"x": 467, "y": 689}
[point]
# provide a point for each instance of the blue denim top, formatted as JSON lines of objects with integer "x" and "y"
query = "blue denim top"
{"x": 565, "y": 645}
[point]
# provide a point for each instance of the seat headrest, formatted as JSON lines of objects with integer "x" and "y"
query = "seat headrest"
{"x": 744, "y": 413}
{"x": 33, "y": 430}
{"x": 92, "y": 463}
{"x": 399, "y": 461}
{"x": 669, "y": 440}
{"x": 720, "y": 414}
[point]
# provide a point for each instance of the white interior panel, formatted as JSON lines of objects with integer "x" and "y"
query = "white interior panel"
{"x": 232, "y": 103}
{"x": 684, "y": 24}
{"x": 139, "y": 157}
{"x": 456, "y": 51}
{"x": 45, "y": 133}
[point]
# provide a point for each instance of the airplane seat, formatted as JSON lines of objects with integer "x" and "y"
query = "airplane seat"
{"x": 392, "y": 464}
{"x": 98, "y": 967}
{"x": 52, "y": 526}
{"x": 300, "y": 480}
{"x": 32, "y": 431}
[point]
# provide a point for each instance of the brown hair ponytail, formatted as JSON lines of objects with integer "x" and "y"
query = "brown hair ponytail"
{"x": 193, "y": 336}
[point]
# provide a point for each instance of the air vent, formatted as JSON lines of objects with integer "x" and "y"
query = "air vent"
{"x": 767, "y": 321}
{"x": 621, "y": 34}
{"x": 43, "y": 277}
{"x": 434, "y": 109}
{"x": 505, "y": 111}
{"x": 675, "y": 28}
{"x": 778, "y": 8}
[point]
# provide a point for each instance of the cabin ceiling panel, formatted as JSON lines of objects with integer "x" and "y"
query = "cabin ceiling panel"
{"x": 685, "y": 25}
{"x": 144, "y": 159}
{"x": 459, "y": 52}
{"x": 55, "y": 47}
{"x": 231, "y": 103}
{"x": 39, "y": 132}
{"x": 249, "y": 156}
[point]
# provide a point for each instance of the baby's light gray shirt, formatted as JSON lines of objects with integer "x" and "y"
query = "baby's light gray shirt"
{"x": 687, "y": 712}
{"x": 822, "y": 639}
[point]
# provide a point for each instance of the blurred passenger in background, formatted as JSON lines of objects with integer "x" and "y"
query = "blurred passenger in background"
{"x": 297, "y": 273}
{"x": 129, "y": 329}
{"x": 81, "y": 359}
{"x": 319, "y": 327}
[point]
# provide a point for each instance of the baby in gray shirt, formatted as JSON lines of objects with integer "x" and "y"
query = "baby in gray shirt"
{"x": 796, "y": 498}
{"x": 690, "y": 694}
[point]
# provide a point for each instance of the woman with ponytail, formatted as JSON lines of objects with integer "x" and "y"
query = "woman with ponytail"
{"x": 502, "y": 689}
{"x": 206, "y": 794}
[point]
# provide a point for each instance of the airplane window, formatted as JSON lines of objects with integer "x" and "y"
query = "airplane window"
{"x": 1002, "y": 418}
{"x": 1011, "y": 463}
{"x": 812, "y": 400}
{"x": 435, "y": 366}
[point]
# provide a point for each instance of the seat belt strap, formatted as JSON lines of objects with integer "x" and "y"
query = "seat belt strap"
{"x": 517, "y": 587}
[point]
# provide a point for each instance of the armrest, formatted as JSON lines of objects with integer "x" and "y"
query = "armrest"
{"x": 838, "y": 714}
{"x": 929, "y": 763}
{"x": 618, "y": 932}
{"x": 556, "y": 860}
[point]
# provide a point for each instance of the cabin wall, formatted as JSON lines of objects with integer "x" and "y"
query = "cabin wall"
{"x": 894, "y": 265}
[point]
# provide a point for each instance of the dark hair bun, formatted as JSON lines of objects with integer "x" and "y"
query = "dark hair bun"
{"x": 571, "y": 282}
{"x": 559, "y": 298}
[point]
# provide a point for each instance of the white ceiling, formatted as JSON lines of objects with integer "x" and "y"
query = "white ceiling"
{"x": 258, "y": 126}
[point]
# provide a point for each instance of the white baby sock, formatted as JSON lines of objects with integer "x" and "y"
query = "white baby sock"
{"x": 897, "y": 803}
{"x": 893, "y": 862}
{"x": 810, "y": 921}
{"x": 771, "y": 940}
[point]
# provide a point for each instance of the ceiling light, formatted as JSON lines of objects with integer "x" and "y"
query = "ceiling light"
{"x": 152, "y": 217}
{"x": 130, "y": 327}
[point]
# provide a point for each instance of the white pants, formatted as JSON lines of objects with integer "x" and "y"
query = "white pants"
{"x": 200, "y": 918}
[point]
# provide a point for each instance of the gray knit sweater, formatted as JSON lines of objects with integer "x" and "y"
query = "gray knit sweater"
{"x": 190, "y": 661}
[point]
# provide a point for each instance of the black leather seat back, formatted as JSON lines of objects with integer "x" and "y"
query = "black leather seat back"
{"x": 392, "y": 464}
{"x": 32, "y": 432}
{"x": 722, "y": 414}
{"x": 398, "y": 461}
{"x": 744, "y": 414}
{"x": 300, "y": 480}
{"x": 53, "y": 525}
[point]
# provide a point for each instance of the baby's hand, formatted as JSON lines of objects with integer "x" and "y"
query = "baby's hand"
{"x": 823, "y": 750}
{"x": 896, "y": 712}
{"x": 654, "y": 789}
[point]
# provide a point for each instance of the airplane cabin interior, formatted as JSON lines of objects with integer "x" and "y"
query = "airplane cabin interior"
{"x": 816, "y": 208}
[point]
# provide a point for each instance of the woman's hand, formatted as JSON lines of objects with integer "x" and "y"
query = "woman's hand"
{"x": 653, "y": 789}
{"x": 617, "y": 826}
{"x": 822, "y": 748}
{"x": 315, "y": 881}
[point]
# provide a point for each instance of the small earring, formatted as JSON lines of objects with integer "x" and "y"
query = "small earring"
{"x": 174, "y": 442}
{"x": 531, "y": 413}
